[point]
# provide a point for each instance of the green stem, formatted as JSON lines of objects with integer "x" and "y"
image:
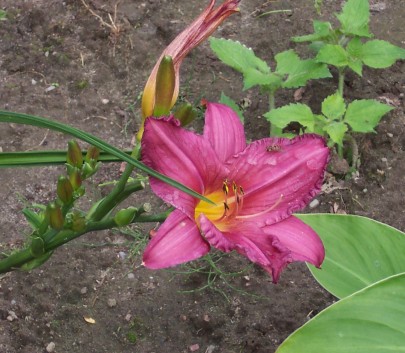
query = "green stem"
{"x": 274, "y": 130}
{"x": 341, "y": 81}
{"x": 114, "y": 197}
{"x": 17, "y": 259}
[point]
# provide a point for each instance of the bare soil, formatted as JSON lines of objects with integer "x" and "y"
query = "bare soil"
{"x": 98, "y": 75}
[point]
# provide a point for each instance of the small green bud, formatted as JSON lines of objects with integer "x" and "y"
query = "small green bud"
{"x": 64, "y": 190}
{"x": 78, "y": 222}
{"x": 37, "y": 246}
{"x": 75, "y": 178}
{"x": 92, "y": 154}
{"x": 185, "y": 114}
{"x": 74, "y": 155}
{"x": 90, "y": 168}
{"x": 125, "y": 216}
{"x": 165, "y": 84}
{"x": 56, "y": 219}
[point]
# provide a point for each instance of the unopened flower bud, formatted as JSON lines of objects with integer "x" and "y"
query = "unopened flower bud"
{"x": 165, "y": 82}
{"x": 74, "y": 154}
{"x": 75, "y": 178}
{"x": 37, "y": 247}
{"x": 77, "y": 222}
{"x": 185, "y": 114}
{"x": 92, "y": 154}
{"x": 89, "y": 169}
{"x": 64, "y": 190}
{"x": 56, "y": 219}
{"x": 125, "y": 216}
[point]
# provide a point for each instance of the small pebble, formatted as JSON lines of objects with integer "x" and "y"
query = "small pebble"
{"x": 83, "y": 290}
{"x": 122, "y": 255}
{"x": 50, "y": 347}
{"x": 33, "y": 82}
{"x": 50, "y": 88}
{"x": 112, "y": 302}
{"x": 390, "y": 135}
{"x": 13, "y": 302}
{"x": 105, "y": 101}
{"x": 365, "y": 190}
{"x": 384, "y": 160}
{"x": 314, "y": 203}
{"x": 131, "y": 275}
{"x": 11, "y": 316}
{"x": 194, "y": 347}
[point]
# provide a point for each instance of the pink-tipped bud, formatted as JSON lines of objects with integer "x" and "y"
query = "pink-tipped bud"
{"x": 64, "y": 190}
{"x": 56, "y": 219}
{"x": 92, "y": 154}
{"x": 75, "y": 178}
{"x": 74, "y": 154}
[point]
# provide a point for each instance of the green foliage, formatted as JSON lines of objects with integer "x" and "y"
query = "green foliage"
{"x": 365, "y": 266}
{"x": 3, "y": 15}
{"x": 336, "y": 119}
{"x": 364, "y": 115}
{"x": 359, "y": 252}
{"x": 369, "y": 321}
{"x": 344, "y": 47}
{"x": 290, "y": 72}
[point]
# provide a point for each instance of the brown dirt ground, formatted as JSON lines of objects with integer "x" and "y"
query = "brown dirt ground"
{"x": 137, "y": 310}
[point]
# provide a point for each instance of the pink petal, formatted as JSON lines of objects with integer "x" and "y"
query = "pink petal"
{"x": 300, "y": 239}
{"x": 224, "y": 130}
{"x": 214, "y": 236}
{"x": 177, "y": 241}
{"x": 279, "y": 176}
{"x": 249, "y": 240}
{"x": 182, "y": 156}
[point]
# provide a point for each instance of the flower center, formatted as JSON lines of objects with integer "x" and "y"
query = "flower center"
{"x": 228, "y": 203}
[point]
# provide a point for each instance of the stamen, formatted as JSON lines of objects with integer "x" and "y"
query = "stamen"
{"x": 271, "y": 208}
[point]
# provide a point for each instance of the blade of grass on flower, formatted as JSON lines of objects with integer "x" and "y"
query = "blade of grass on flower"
{"x": 25, "y": 119}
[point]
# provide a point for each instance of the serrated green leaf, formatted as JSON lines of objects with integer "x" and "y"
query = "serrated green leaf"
{"x": 369, "y": 321}
{"x": 237, "y": 55}
{"x": 355, "y": 17}
{"x": 359, "y": 251}
{"x": 232, "y": 104}
{"x": 334, "y": 106}
{"x": 354, "y": 49}
{"x": 320, "y": 123}
{"x": 298, "y": 112}
{"x": 299, "y": 71}
{"x": 364, "y": 115}
{"x": 333, "y": 54}
{"x": 336, "y": 131}
{"x": 322, "y": 30}
{"x": 253, "y": 77}
{"x": 380, "y": 54}
{"x": 285, "y": 60}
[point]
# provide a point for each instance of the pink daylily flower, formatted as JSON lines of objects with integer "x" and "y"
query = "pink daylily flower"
{"x": 199, "y": 30}
{"x": 255, "y": 188}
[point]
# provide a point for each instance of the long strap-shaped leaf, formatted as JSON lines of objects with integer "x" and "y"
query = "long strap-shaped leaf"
{"x": 41, "y": 158}
{"x": 19, "y": 118}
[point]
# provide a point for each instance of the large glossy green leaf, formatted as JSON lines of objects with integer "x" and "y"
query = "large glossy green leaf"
{"x": 19, "y": 118}
{"x": 359, "y": 251}
{"x": 369, "y": 321}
